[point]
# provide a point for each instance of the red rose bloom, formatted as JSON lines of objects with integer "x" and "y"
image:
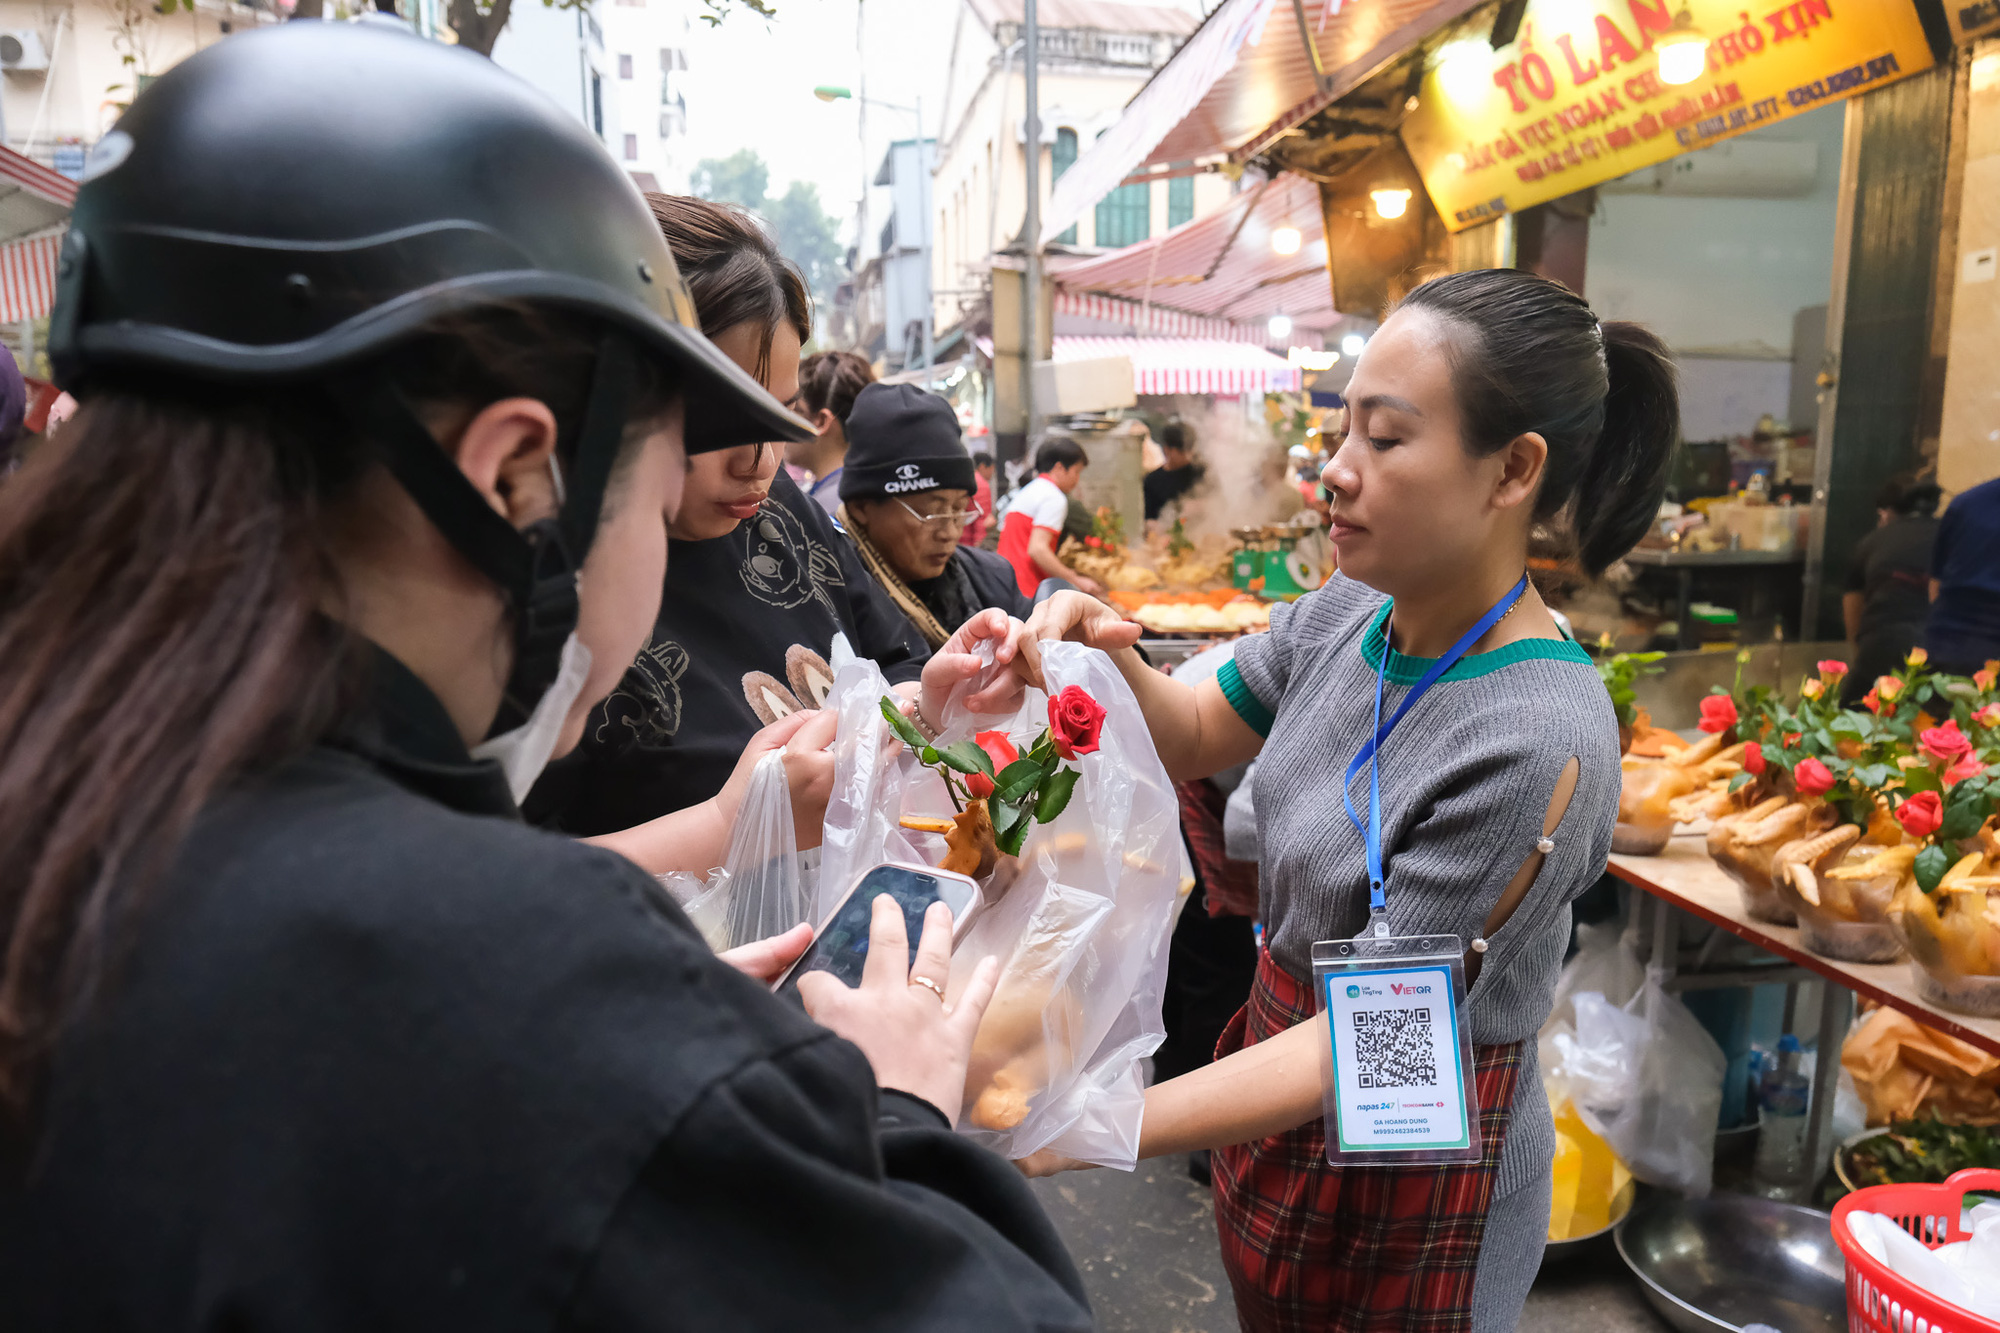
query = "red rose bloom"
{"x": 1074, "y": 721}
{"x": 1718, "y": 713}
{"x": 1872, "y": 701}
{"x": 1001, "y": 751}
{"x": 1812, "y": 778}
{"x": 1946, "y": 743}
{"x": 1968, "y": 767}
{"x": 1753, "y": 760}
{"x": 1831, "y": 669}
{"x": 1921, "y": 814}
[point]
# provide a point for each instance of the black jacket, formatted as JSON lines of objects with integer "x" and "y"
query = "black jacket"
{"x": 378, "y": 1056}
{"x": 672, "y": 732}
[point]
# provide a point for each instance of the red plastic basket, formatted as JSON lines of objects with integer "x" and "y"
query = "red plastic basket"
{"x": 1878, "y": 1301}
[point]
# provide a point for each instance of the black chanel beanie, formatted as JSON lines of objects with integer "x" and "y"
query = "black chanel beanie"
{"x": 902, "y": 440}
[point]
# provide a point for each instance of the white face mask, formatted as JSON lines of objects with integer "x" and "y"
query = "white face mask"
{"x": 524, "y": 752}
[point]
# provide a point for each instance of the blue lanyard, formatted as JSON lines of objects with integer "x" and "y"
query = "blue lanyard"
{"x": 1371, "y": 832}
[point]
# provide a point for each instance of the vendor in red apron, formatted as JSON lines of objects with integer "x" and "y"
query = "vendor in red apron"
{"x": 1436, "y": 762}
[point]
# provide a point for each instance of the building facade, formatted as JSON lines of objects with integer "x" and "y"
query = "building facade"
{"x": 648, "y": 47}
{"x": 1095, "y": 54}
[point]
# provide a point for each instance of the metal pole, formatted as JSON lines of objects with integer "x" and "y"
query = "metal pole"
{"x": 1031, "y": 229}
{"x": 1836, "y": 1007}
{"x": 926, "y": 166}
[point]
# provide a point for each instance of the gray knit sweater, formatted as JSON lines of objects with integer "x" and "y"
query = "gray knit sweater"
{"x": 1466, "y": 781}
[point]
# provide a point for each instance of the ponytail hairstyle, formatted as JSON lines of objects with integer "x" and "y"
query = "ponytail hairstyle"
{"x": 733, "y": 270}
{"x": 169, "y": 627}
{"x": 1527, "y": 355}
{"x": 828, "y": 382}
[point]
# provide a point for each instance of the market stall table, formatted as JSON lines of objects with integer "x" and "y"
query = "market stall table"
{"x": 1683, "y": 876}
{"x": 1686, "y": 563}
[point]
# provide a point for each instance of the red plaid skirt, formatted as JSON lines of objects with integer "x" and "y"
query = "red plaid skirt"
{"x": 1346, "y": 1249}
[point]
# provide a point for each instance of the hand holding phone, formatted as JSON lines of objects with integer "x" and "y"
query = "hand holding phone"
{"x": 915, "y": 1043}
{"x": 840, "y": 946}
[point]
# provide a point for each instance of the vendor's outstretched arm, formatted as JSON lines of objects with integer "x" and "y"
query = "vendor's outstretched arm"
{"x": 1261, "y": 1090}
{"x": 1194, "y": 729}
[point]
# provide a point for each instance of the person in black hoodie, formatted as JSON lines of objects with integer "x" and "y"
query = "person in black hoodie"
{"x": 760, "y": 584}
{"x": 300, "y": 1027}
{"x": 906, "y": 496}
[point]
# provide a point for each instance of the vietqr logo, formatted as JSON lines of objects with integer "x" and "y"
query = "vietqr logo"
{"x": 1401, "y": 989}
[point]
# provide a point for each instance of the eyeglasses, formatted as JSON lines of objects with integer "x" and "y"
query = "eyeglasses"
{"x": 952, "y": 520}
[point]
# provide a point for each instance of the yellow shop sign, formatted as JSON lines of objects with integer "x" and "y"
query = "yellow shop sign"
{"x": 1578, "y": 97}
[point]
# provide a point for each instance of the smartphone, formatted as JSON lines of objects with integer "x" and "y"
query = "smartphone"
{"x": 841, "y": 946}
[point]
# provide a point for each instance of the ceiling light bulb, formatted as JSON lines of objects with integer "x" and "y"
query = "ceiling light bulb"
{"x": 1683, "y": 50}
{"x": 1352, "y": 344}
{"x": 1280, "y": 327}
{"x": 1390, "y": 203}
{"x": 1286, "y": 240}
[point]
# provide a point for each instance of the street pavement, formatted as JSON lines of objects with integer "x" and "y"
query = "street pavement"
{"x": 1145, "y": 1242}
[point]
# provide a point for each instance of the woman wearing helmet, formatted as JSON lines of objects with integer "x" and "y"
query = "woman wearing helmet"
{"x": 299, "y": 1026}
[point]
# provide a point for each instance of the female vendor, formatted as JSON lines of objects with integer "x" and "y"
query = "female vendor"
{"x": 1489, "y": 402}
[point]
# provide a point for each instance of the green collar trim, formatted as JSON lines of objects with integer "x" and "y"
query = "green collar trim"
{"x": 1409, "y": 670}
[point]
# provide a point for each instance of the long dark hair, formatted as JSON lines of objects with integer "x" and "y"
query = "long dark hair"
{"x": 1527, "y": 356}
{"x": 733, "y": 270}
{"x": 169, "y": 625}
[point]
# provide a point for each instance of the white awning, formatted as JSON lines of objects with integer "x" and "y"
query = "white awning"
{"x": 1188, "y": 365}
{"x": 1162, "y": 104}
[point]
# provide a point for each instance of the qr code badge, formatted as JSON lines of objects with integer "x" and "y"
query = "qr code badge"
{"x": 1394, "y": 1048}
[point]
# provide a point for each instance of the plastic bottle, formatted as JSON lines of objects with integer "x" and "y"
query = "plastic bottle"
{"x": 1782, "y": 1096}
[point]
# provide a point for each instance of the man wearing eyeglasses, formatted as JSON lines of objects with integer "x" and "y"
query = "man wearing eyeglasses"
{"x": 906, "y": 496}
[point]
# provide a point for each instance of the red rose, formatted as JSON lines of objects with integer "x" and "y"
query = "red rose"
{"x": 1968, "y": 767}
{"x": 1831, "y": 669}
{"x": 1718, "y": 713}
{"x": 1074, "y": 721}
{"x": 1001, "y": 751}
{"x": 1946, "y": 743}
{"x": 1753, "y": 759}
{"x": 1812, "y": 778}
{"x": 1872, "y": 701}
{"x": 1921, "y": 814}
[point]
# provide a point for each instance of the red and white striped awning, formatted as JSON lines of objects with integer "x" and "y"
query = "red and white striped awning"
{"x": 1144, "y": 319}
{"x": 28, "y": 277}
{"x": 1188, "y": 365}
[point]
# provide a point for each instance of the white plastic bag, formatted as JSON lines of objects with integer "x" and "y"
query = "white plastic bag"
{"x": 1648, "y": 1078}
{"x": 1081, "y": 930}
{"x": 760, "y": 889}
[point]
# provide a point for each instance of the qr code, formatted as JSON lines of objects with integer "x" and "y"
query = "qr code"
{"x": 1393, "y": 1049}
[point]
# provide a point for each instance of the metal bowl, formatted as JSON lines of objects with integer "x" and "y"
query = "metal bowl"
{"x": 1729, "y": 1260}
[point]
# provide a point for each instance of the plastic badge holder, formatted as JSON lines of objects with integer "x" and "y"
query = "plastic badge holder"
{"x": 1396, "y": 1070}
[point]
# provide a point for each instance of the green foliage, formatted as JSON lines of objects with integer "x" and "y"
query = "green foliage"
{"x": 1932, "y": 862}
{"x": 806, "y": 234}
{"x": 1620, "y": 673}
{"x": 1926, "y": 1151}
{"x": 1034, "y": 789}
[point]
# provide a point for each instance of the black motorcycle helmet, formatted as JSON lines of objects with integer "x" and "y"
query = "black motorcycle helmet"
{"x": 292, "y": 202}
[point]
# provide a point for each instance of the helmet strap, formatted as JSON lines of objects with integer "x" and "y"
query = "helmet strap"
{"x": 536, "y": 568}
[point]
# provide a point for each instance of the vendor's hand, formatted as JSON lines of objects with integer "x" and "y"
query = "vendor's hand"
{"x": 1049, "y": 1162}
{"x": 1070, "y": 616}
{"x": 804, "y": 737}
{"x": 956, "y": 663}
{"x": 1088, "y": 584}
{"x": 764, "y": 960}
{"x": 914, "y": 1041}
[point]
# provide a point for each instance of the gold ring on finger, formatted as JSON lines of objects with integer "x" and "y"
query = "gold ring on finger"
{"x": 928, "y": 985}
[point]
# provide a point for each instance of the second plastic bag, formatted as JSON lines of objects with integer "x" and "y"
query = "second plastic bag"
{"x": 1080, "y": 921}
{"x": 1648, "y": 1078}
{"x": 761, "y": 888}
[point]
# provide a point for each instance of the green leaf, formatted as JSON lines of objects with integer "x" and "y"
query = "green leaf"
{"x": 1005, "y": 815}
{"x": 967, "y": 757}
{"x": 1740, "y": 781}
{"x": 1022, "y": 785}
{"x": 906, "y": 730}
{"x": 1017, "y": 770}
{"x": 928, "y": 756}
{"x": 1932, "y": 862}
{"x": 1920, "y": 779}
{"x": 1010, "y": 841}
{"x": 1055, "y": 794}
{"x": 1964, "y": 812}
